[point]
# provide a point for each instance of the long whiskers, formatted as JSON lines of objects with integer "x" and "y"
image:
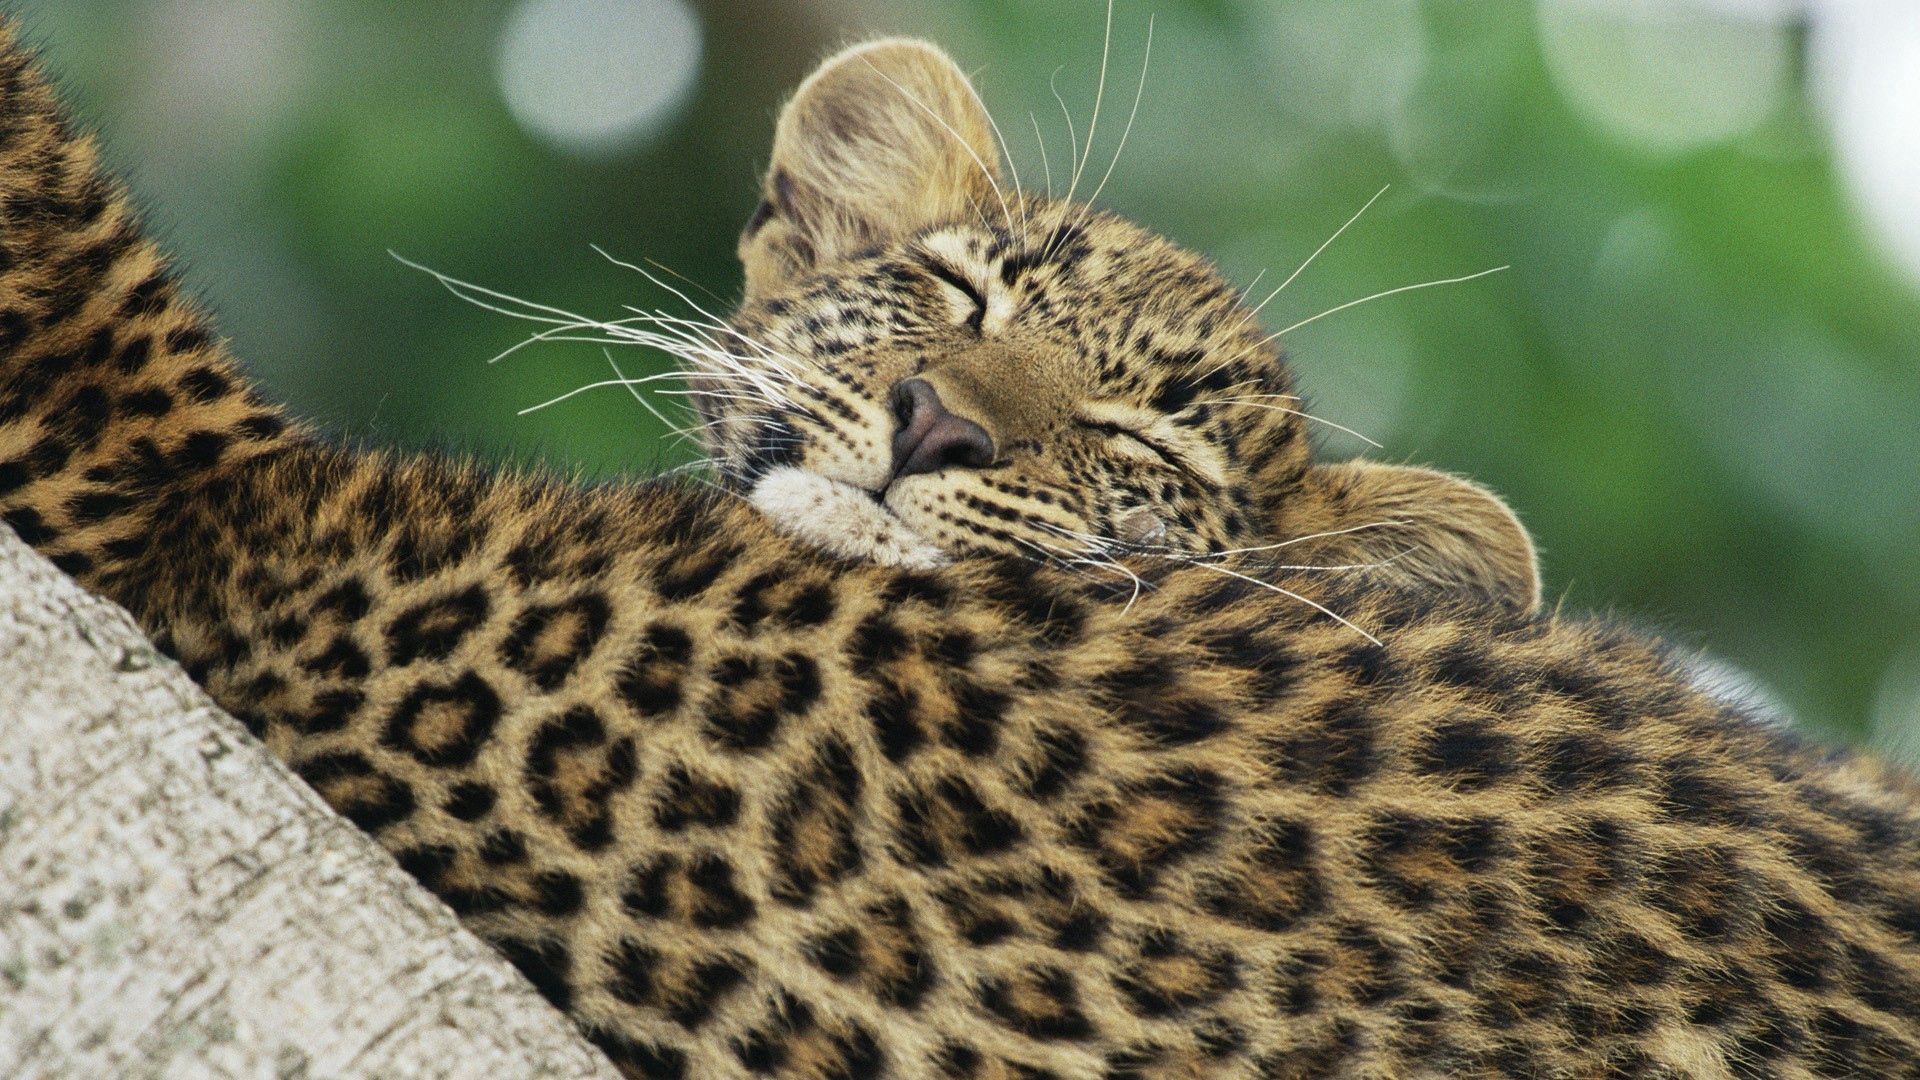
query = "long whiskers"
{"x": 1099, "y": 94}
{"x": 1102, "y": 551}
{"x": 1301, "y": 269}
{"x": 1045, "y": 166}
{"x": 1384, "y": 294}
{"x": 1138, "y": 91}
{"x": 1073, "y": 137}
{"x": 1255, "y": 402}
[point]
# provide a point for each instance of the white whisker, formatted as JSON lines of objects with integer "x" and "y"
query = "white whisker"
{"x": 1045, "y": 165}
{"x": 1099, "y": 93}
{"x": 1301, "y": 269}
{"x": 1251, "y": 403}
{"x": 1307, "y": 537}
{"x": 1138, "y": 91}
{"x": 1073, "y": 137}
{"x": 1387, "y": 293}
{"x": 637, "y": 395}
{"x": 1289, "y": 593}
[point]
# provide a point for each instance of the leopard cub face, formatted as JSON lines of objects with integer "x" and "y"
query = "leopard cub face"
{"x": 949, "y": 366}
{"x": 929, "y": 365}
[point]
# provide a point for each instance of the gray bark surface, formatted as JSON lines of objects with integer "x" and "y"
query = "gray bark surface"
{"x": 175, "y": 903}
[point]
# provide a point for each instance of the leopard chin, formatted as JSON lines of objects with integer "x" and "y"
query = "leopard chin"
{"x": 842, "y": 519}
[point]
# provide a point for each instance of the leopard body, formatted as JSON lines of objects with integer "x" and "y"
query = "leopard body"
{"x": 744, "y": 807}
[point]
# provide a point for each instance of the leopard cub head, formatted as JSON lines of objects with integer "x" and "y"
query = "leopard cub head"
{"x": 931, "y": 365}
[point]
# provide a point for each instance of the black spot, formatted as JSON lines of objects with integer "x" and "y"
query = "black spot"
{"x": 1046, "y": 1006}
{"x": 892, "y": 711}
{"x": 1149, "y": 698}
{"x": 504, "y": 847}
{"x": 342, "y": 658}
{"x": 205, "y": 384}
{"x": 1587, "y": 761}
{"x": 471, "y": 800}
{"x": 650, "y": 1061}
{"x": 687, "y": 800}
{"x": 651, "y": 681}
{"x": 1368, "y": 664}
{"x": 364, "y": 795}
{"x": 331, "y": 710}
{"x": 757, "y": 219}
{"x": 1063, "y": 756}
{"x": 703, "y": 989}
{"x": 28, "y": 523}
{"x": 1271, "y": 669}
{"x": 1691, "y": 795}
{"x": 530, "y": 649}
{"x": 979, "y": 715}
{"x": 558, "y": 893}
{"x": 348, "y": 598}
{"x": 717, "y": 903}
{"x": 1330, "y": 753}
{"x": 433, "y": 629}
{"x": 877, "y": 641}
{"x": 444, "y": 724}
{"x": 546, "y": 963}
{"x": 689, "y": 573}
{"x": 201, "y": 449}
{"x": 1465, "y": 663}
{"x": 14, "y": 475}
{"x": 606, "y": 766}
{"x": 76, "y": 564}
{"x": 1470, "y": 752}
{"x": 188, "y": 338}
{"x": 262, "y": 425}
{"x": 811, "y": 606}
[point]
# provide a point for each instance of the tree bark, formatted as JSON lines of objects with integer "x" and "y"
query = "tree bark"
{"x": 175, "y": 903}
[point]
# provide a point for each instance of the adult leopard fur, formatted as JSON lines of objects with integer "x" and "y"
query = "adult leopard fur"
{"x": 743, "y": 808}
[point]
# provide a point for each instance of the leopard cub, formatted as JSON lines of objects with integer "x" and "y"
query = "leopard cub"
{"x": 853, "y": 770}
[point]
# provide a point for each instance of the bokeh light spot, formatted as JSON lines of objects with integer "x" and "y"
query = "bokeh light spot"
{"x": 594, "y": 77}
{"x": 1866, "y": 66}
{"x": 1667, "y": 76}
{"x": 1342, "y": 63}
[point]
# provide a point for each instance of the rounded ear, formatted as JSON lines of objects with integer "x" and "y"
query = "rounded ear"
{"x": 1427, "y": 528}
{"x": 883, "y": 139}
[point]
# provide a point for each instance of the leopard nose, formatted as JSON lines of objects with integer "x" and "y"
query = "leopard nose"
{"x": 929, "y": 438}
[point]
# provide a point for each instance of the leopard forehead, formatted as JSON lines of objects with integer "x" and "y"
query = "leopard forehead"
{"x": 1123, "y": 390}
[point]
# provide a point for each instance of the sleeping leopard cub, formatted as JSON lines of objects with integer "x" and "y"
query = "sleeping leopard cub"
{"x": 926, "y": 803}
{"x": 988, "y": 370}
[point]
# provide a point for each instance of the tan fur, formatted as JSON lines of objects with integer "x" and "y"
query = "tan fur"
{"x": 743, "y": 808}
{"x": 909, "y": 147}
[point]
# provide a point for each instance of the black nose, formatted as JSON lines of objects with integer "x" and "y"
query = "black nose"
{"x": 929, "y": 437}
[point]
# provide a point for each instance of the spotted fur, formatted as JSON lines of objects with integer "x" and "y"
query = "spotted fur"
{"x": 744, "y": 809}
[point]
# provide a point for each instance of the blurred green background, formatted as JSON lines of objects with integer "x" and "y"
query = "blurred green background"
{"x": 1698, "y": 383}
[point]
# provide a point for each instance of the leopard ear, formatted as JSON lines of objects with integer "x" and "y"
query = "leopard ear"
{"x": 1433, "y": 529}
{"x": 886, "y": 138}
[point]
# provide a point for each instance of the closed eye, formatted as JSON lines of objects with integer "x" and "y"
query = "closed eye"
{"x": 1118, "y": 431}
{"x": 959, "y": 283}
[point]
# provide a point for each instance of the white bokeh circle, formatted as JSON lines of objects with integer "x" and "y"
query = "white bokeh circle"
{"x": 1667, "y": 76}
{"x": 1865, "y": 65}
{"x": 595, "y": 77}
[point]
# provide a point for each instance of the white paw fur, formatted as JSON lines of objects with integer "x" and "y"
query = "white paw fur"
{"x": 841, "y": 519}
